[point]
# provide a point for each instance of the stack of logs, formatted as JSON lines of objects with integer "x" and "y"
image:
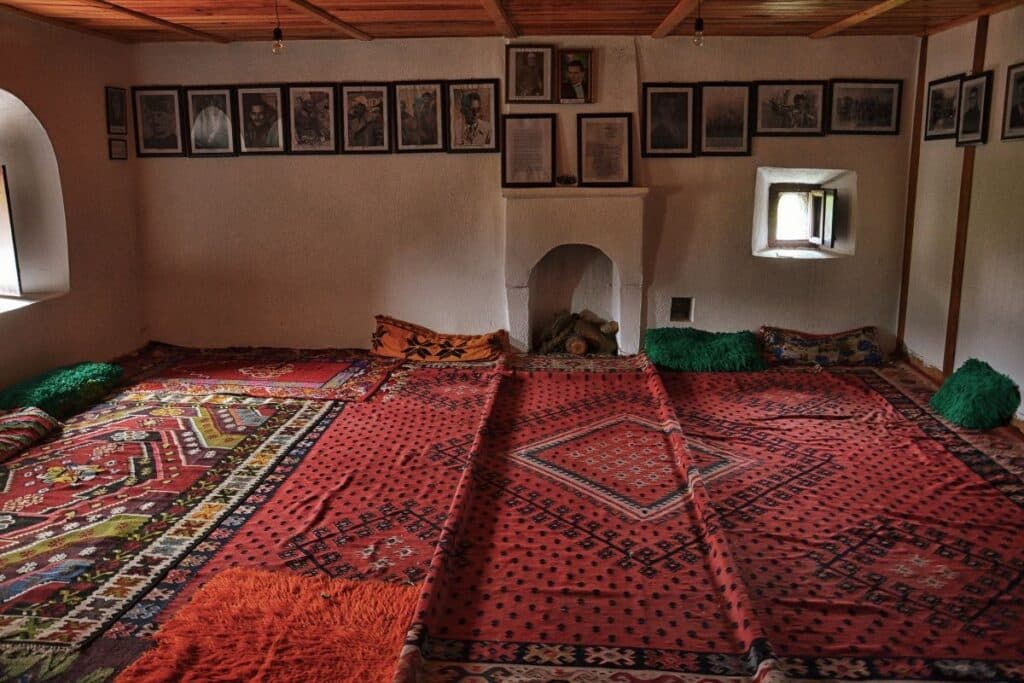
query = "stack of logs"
{"x": 580, "y": 334}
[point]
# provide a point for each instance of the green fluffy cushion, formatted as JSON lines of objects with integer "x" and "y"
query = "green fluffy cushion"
{"x": 977, "y": 397}
{"x": 64, "y": 391}
{"x": 685, "y": 348}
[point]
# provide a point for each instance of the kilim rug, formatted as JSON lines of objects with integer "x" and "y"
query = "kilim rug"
{"x": 341, "y": 375}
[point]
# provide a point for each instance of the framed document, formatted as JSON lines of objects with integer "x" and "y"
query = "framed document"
{"x": 604, "y": 149}
{"x": 528, "y": 155}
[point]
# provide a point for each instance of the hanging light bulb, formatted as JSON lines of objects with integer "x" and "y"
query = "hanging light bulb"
{"x": 698, "y": 29}
{"x": 277, "y": 47}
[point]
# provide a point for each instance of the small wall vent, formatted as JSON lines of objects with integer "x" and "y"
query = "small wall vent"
{"x": 682, "y": 309}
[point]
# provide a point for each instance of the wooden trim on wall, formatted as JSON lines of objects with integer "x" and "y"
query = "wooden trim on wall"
{"x": 963, "y": 218}
{"x": 915, "y": 161}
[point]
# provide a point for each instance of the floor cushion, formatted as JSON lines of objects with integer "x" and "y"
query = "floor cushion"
{"x": 22, "y": 428}
{"x": 399, "y": 339}
{"x": 977, "y": 397}
{"x": 689, "y": 349}
{"x": 64, "y": 391}
{"x": 852, "y": 347}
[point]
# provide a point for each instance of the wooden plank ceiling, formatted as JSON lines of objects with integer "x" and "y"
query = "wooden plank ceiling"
{"x": 237, "y": 20}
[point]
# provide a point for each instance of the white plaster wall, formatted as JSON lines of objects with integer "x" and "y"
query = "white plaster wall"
{"x": 700, "y": 211}
{"x": 303, "y": 251}
{"x": 938, "y": 193}
{"x": 992, "y": 303}
{"x": 60, "y": 76}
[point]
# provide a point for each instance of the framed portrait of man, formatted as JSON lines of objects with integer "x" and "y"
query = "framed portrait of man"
{"x": 1013, "y": 111}
{"x": 365, "y": 112}
{"x": 604, "y": 149}
{"x": 975, "y": 99}
{"x": 528, "y": 73}
{"x": 158, "y": 121}
{"x": 419, "y": 116}
{"x": 211, "y": 121}
{"x": 791, "y": 108}
{"x": 725, "y": 119}
{"x": 312, "y": 119}
{"x": 261, "y": 119}
{"x": 666, "y": 121}
{"x": 863, "y": 106}
{"x": 575, "y": 75}
{"x": 942, "y": 104}
{"x": 473, "y": 116}
{"x": 117, "y": 110}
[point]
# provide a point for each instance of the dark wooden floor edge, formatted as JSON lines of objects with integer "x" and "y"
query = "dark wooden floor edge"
{"x": 963, "y": 216}
{"x": 912, "y": 173}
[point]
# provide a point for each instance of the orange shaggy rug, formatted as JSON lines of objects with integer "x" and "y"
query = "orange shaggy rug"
{"x": 247, "y": 625}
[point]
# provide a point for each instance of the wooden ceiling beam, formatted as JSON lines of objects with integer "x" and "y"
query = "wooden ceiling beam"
{"x": 157, "y": 21}
{"x": 683, "y": 9}
{"x": 501, "y": 21}
{"x": 858, "y": 18}
{"x": 984, "y": 12}
{"x": 329, "y": 19}
{"x": 62, "y": 23}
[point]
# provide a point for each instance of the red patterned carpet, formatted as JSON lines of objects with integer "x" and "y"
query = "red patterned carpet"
{"x": 583, "y": 520}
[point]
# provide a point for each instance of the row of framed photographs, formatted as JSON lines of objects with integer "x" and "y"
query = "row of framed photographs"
{"x": 959, "y": 107}
{"x": 719, "y": 118}
{"x": 604, "y": 150}
{"x": 316, "y": 118}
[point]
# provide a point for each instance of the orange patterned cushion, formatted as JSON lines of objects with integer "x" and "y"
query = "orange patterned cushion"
{"x": 399, "y": 339}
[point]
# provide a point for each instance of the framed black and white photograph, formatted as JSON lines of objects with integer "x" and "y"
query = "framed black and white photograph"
{"x": 943, "y": 104}
{"x": 419, "y": 116}
{"x": 158, "y": 121}
{"x": 365, "y": 118}
{"x": 790, "y": 108}
{"x": 865, "y": 107}
{"x": 604, "y": 149}
{"x": 117, "y": 110}
{"x": 209, "y": 113}
{"x": 117, "y": 149}
{"x": 725, "y": 120}
{"x": 667, "y": 122}
{"x": 528, "y": 153}
{"x": 975, "y": 99}
{"x": 528, "y": 73}
{"x": 575, "y": 75}
{"x": 312, "y": 119}
{"x": 261, "y": 119}
{"x": 1013, "y": 109}
{"x": 473, "y": 116}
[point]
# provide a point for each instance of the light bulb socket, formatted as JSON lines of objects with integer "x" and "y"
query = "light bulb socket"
{"x": 698, "y": 26}
{"x": 278, "y": 34}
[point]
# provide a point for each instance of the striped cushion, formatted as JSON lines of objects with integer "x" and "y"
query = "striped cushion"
{"x": 22, "y": 428}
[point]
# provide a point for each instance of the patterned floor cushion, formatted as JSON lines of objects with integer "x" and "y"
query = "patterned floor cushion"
{"x": 399, "y": 339}
{"x": 852, "y": 347}
{"x": 23, "y": 428}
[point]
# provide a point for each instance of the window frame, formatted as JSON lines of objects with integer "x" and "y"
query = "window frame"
{"x": 821, "y": 213}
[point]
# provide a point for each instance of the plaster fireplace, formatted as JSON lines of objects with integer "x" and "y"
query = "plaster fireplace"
{"x": 577, "y": 231}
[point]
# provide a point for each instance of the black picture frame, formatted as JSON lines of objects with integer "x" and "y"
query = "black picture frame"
{"x": 280, "y": 124}
{"x": 229, "y": 116}
{"x": 1013, "y": 103}
{"x": 765, "y": 89}
{"x": 547, "y": 77}
{"x": 581, "y": 121}
{"x": 836, "y": 108}
{"x": 441, "y": 112}
{"x": 366, "y": 91}
{"x": 701, "y": 134}
{"x": 298, "y": 143}
{"x": 117, "y": 149}
{"x": 551, "y": 143}
{"x": 564, "y": 57}
{"x": 965, "y": 116}
{"x": 116, "y": 103}
{"x": 647, "y": 149}
{"x": 156, "y": 144}
{"x": 453, "y": 112}
{"x": 934, "y": 108}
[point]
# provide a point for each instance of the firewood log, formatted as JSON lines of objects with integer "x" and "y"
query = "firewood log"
{"x": 596, "y": 341}
{"x": 576, "y": 345}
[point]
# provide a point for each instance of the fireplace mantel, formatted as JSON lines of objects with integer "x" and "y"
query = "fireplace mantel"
{"x": 538, "y": 220}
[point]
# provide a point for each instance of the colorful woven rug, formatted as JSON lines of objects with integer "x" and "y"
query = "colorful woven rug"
{"x": 337, "y": 375}
{"x": 90, "y": 521}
